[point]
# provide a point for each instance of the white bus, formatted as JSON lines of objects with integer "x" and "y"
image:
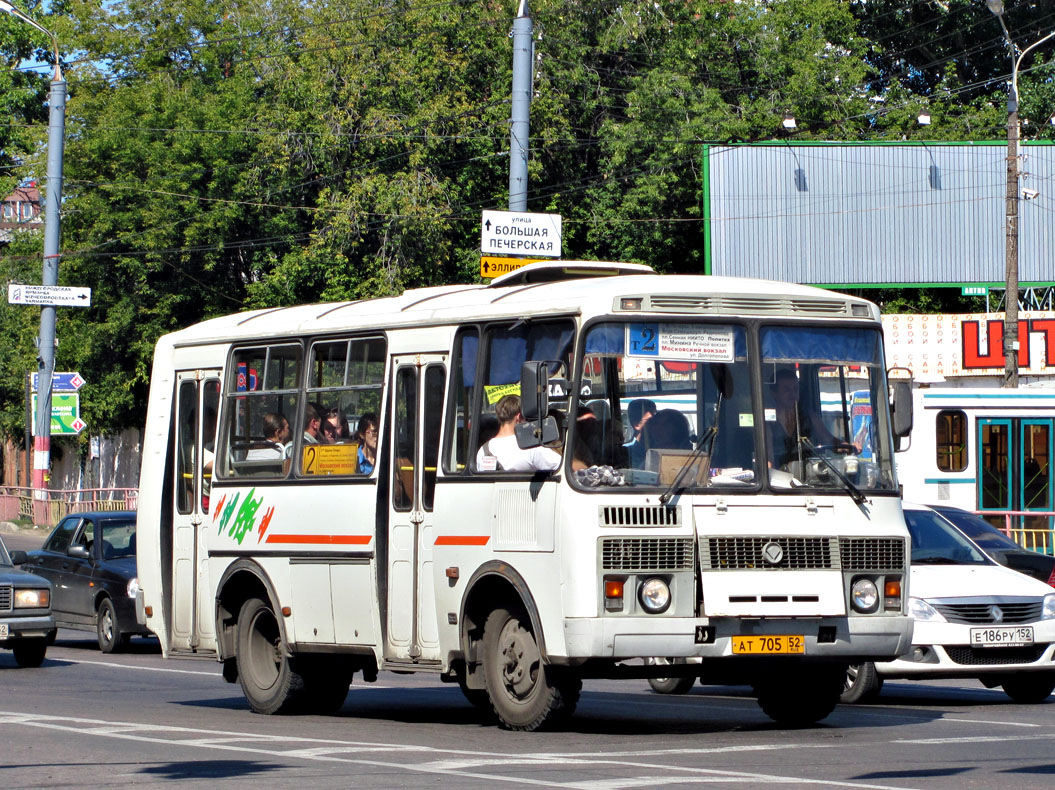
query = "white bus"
{"x": 297, "y": 568}
{"x": 987, "y": 450}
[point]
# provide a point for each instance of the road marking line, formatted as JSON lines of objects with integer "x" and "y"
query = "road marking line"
{"x": 135, "y": 666}
{"x": 123, "y": 731}
{"x": 977, "y": 739}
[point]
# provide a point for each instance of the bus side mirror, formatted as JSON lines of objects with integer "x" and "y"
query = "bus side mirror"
{"x": 534, "y": 390}
{"x": 902, "y": 408}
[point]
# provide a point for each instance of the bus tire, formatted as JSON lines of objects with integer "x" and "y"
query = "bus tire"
{"x": 326, "y": 684}
{"x": 862, "y": 683}
{"x": 265, "y": 671}
{"x": 801, "y": 696}
{"x": 669, "y": 685}
{"x": 525, "y": 693}
{"x": 1029, "y": 688}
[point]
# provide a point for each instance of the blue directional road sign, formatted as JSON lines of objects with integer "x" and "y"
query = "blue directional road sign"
{"x": 61, "y": 382}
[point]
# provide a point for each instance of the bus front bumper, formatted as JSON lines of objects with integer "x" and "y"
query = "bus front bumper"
{"x": 875, "y": 638}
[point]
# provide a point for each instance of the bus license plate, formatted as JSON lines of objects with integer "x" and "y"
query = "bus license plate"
{"x": 3, "y": 629}
{"x": 1004, "y": 636}
{"x": 769, "y": 645}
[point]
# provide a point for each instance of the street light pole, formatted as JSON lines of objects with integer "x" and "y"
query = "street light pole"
{"x": 50, "y": 275}
{"x": 1011, "y": 342}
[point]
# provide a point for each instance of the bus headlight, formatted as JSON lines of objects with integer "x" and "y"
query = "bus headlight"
{"x": 864, "y": 597}
{"x": 654, "y": 595}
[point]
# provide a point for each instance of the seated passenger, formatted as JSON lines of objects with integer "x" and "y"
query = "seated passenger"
{"x": 792, "y": 420}
{"x": 667, "y": 430}
{"x": 366, "y": 436}
{"x": 503, "y": 453}
{"x": 334, "y": 427}
{"x": 276, "y": 431}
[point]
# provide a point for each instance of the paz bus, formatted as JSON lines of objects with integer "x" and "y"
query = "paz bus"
{"x": 298, "y": 567}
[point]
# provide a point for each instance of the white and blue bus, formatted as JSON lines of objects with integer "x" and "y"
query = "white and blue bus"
{"x": 299, "y": 567}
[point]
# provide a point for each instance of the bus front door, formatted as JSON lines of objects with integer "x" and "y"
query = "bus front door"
{"x": 191, "y": 614}
{"x": 412, "y": 445}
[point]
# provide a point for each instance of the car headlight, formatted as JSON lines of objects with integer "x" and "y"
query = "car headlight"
{"x": 919, "y": 609}
{"x": 864, "y": 596}
{"x": 1047, "y": 611}
{"x": 133, "y": 587}
{"x": 654, "y": 595}
{"x": 32, "y": 599}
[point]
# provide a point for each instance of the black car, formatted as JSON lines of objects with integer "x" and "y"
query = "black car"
{"x": 998, "y": 545}
{"x": 25, "y": 611}
{"x": 90, "y": 560}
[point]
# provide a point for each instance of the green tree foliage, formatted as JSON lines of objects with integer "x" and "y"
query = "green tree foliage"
{"x": 223, "y": 155}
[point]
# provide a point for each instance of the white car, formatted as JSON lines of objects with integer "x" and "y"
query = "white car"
{"x": 973, "y": 618}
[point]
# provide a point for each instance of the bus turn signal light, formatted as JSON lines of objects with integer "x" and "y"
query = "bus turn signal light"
{"x": 613, "y": 595}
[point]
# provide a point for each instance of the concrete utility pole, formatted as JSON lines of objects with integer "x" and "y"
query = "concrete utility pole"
{"x": 46, "y": 340}
{"x": 1011, "y": 343}
{"x": 523, "y": 72}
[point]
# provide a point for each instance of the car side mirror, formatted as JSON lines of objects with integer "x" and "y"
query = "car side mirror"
{"x": 78, "y": 551}
{"x": 19, "y": 558}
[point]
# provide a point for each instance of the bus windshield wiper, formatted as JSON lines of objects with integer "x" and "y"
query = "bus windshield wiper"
{"x": 706, "y": 442}
{"x": 855, "y": 492}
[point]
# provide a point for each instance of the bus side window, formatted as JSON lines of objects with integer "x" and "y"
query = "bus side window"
{"x": 950, "y": 434}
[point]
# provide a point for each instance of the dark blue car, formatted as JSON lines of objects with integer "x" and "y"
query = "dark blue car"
{"x": 90, "y": 560}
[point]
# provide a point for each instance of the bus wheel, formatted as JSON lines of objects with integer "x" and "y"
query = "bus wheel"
{"x": 326, "y": 684}
{"x": 798, "y": 697}
{"x": 1029, "y": 688}
{"x": 265, "y": 672}
{"x": 862, "y": 683}
{"x": 524, "y": 692}
{"x": 669, "y": 685}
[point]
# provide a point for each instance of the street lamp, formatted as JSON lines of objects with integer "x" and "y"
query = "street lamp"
{"x": 46, "y": 341}
{"x": 1011, "y": 246}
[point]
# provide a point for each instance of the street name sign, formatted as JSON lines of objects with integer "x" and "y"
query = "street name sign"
{"x": 65, "y": 414}
{"x": 61, "y": 382}
{"x": 47, "y": 295}
{"x": 520, "y": 233}
{"x": 495, "y": 267}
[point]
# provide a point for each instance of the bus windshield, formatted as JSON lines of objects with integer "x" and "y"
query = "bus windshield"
{"x": 686, "y": 404}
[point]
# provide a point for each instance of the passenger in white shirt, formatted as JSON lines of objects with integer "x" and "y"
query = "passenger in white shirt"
{"x": 502, "y": 452}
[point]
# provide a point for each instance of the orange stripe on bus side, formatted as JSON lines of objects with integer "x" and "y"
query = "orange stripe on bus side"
{"x": 334, "y": 540}
{"x": 462, "y": 540}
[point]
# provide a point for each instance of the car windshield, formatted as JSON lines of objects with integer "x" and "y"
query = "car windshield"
{"x": 978, "y": 529}
{"x": 677, "y": 405}
{"x": 936, "y": 542}
{"x": 5, "y": 558}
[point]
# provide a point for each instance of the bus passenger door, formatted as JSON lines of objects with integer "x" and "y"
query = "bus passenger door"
{"x": 191, "y": 615}
{"x": 411, "y": 630}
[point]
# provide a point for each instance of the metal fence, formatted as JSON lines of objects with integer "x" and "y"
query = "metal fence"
{"x": 47, "y": 508}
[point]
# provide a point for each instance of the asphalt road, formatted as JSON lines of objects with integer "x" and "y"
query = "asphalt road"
{"x": 85, "y": 719}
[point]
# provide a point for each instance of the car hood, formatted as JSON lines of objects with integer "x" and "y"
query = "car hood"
{"x": 13, "y": 576}
{"x": 972, "y": 581}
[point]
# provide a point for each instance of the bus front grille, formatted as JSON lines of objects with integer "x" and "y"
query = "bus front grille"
{"x": 646, "y": 554}
{"x": 751, "y": 553}
{"x": 872, "y": 554}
